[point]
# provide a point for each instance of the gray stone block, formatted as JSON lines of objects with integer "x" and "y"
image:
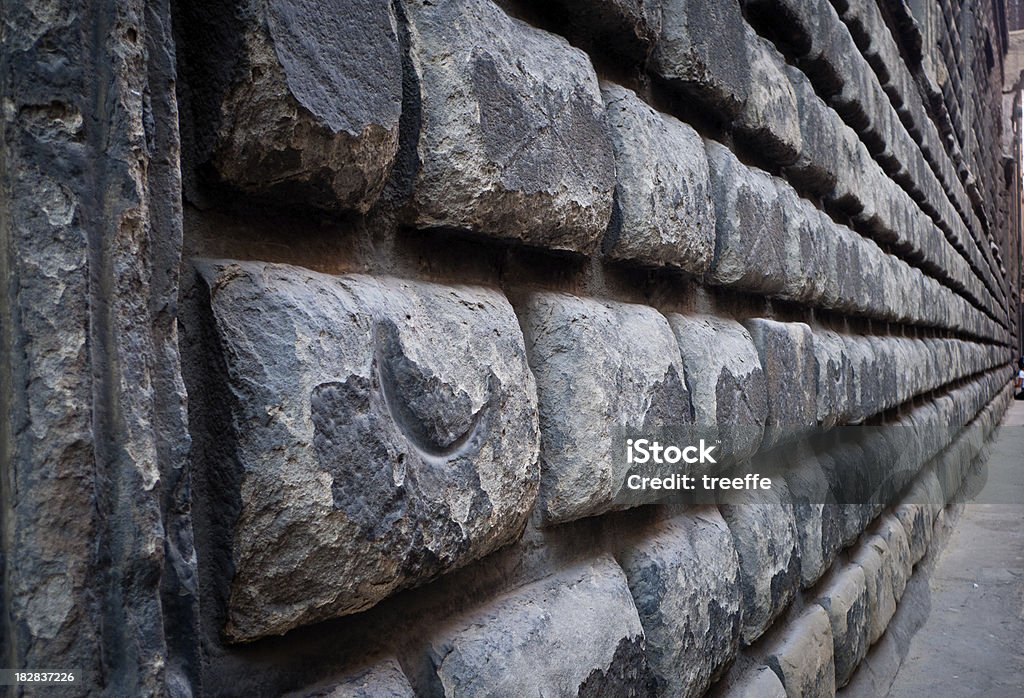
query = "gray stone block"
{"x": 802, "y": 658}
{"x": 684, "y": 577}
{"x": 751, "y": 237}
{"x": 727, "y": 385}
{"x": 574, "y": 634}
{"x": 764, "y": 533}
{"x": 874, "y": 557}
{"x": 662, "y": 187}
{"x": 310, "y": 121}
{"x": 816, "y": 515}
{"x": 787, "y": 359}
{"x": 383, "y": 679}
{"x": 702, "y": 50}
{"x": 844, "y": 598}
{"x": 830, "y": 361}
{"x": 801, "y": 221}
{"x": 385, "y": 432}
{"x": 769, "y": 119}
{"x": 603, "y": 369}
{"x": 512, "y": 140}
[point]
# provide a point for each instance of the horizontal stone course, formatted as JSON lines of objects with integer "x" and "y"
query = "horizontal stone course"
{"x": 385, "y": 432}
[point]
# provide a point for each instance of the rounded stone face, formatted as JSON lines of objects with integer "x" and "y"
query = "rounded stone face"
{"x": 386, "y": 432}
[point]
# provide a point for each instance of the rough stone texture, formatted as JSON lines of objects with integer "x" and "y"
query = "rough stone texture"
{"x": 761, "y": 682}
{"x": 750, "y": 243}
{"x": 727, "y": 386}
{"x": 384, "y": 679}
{"x": 803, "y": 658}
{"x": 790, "y": 369}
{"x": 512, "y": 139}
{"x": 665, "y": 215}
{"x": 845, "y": 599}
{"x": 770, "y": 118}
{"x": 93, "y": 440}
{"x": 576, "y": 633}
{"x": 603, "y": 369}
{"x": 875, "y": 558}
{"x": 306, "y": 119}
{"x": 684, "y": 577}
{"x": 764, "y": 533}
{"x": 817, "y": 516}
{"x": 702, "y": 51}
{"x": 386, "y": 432}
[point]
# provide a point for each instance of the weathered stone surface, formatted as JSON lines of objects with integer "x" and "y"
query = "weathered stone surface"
{"x": 385, "y": 432}
{"x": 818, "y": 518}
{"x": 764, "y": 533}
{"x": 93, "y": 411}
{"x": 573, "y": 634}
{"x": 761, "y": 682}
{"x": 385, "y": 679}
{"x": 803, "y": 657}
{"x": 845, "y": 600}
{"x": 702, "y": 50}
{"x": 512, "y": 139}
{"x": 602, "y": 369}
{"x": 874, "y": 557}
{"x": 832, "y": 390}
{"x": 751, "y": 245}
{"x": 770, "y": 119}
{"x": 684, "y": 577}
{"x": 787, "y": 358}
{"x": 309, "y": 120}
{"x": 917, "y": 513}
{"x": 801, "y": 223}
{"x": 662, "y": 188}
{"x": 727, "y": 385}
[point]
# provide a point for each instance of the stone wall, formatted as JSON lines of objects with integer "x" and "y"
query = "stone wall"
{"x": 324, "y": 320}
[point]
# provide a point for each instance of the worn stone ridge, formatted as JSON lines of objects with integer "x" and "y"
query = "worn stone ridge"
{"x": 512, "y": 140}
{"x": 386, "y": 432}
{"x": 306, "y": 119}
{"x": 576, "y": 633}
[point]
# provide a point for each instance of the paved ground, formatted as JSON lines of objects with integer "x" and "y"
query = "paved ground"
{"x": 972, "y": 643}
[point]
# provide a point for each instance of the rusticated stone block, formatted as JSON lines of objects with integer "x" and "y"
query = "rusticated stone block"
{"x": 573, "y": 634}
{"x": 874, "y": 557}
{"x": 918, "y": 510}
{"x": 512, "y": 139}
{"x": 830, "y": 361}
{"x": 602, "y": 368}
{"x": 662, "y": 190}
{"x": 751, "y": 236}
{"x": 384, "y": 679}
{"x": 764, "y": 533}
{"x": 310, "y": 121}
{"x": 769, "y": 119}
{"x": 817, "y": 516}
{"x": 844, "y": 598}
{"x": 385, "y": 432}
{"x": 787, "y": 359}
{"x": 684, "y": 577}
{"x": 727, "y": 385}
{"x": 703, "y": 50}
{"x": 802, "y": 658}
